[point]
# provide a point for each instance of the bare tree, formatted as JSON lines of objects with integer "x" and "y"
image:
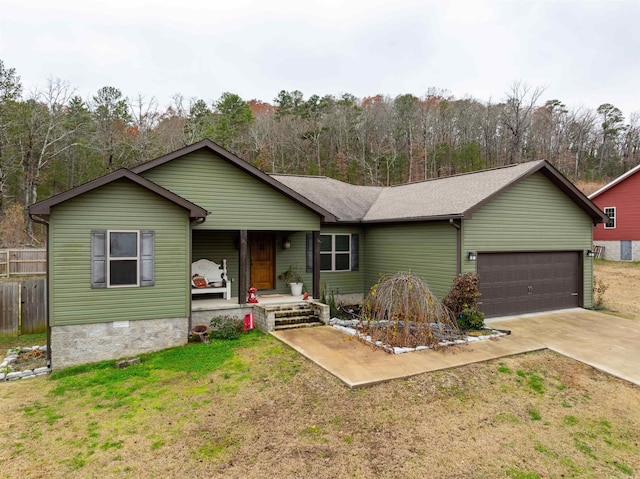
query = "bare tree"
{"x": 142, "y": 133}
{"x": 45, "y": 134}
{"x": 516, "y": 115}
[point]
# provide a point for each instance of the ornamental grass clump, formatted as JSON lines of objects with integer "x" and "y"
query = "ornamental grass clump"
{"x": 401, "y": 311}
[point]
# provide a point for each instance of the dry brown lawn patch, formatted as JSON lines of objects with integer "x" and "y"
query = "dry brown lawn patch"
{"x": 623, "y": 278}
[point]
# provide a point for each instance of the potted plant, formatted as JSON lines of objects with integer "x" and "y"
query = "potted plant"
{"x": 293, "y": 279}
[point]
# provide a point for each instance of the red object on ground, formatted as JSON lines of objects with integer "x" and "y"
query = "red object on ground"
{"x": 253, "y": 295}
{"x": 248, "y": 321}
{"x": 305, "y": 296}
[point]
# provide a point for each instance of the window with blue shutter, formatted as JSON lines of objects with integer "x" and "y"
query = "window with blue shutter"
{"x": 98, "y": 259}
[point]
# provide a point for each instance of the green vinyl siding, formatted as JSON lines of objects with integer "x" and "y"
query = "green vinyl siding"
{"x": 294, "y": 256}
{"x": 126, "y": 206}
{"x": 345, "y": 282}
{"x": 235, "y": 199}
{"x": 427, "y": 249}
{"x": 533, "y": 215}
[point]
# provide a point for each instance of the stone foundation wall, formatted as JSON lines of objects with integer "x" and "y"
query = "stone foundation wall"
{"x": 612, "y": 250}
{"x": 263, "y": 319}
{"x": 205, "y": 317}
{"x": 87, "y": 343}
{"x": 349, "y": 299}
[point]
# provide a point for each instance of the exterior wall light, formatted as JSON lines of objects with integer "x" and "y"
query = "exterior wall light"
{"x": 286, "y": 243}
{"x": 590, "y": 254}
{"x": 472, "y": 256}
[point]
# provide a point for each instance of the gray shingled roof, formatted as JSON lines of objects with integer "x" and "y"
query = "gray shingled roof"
{"x": 448, "y": 197}
{"x": 345, "y": 201}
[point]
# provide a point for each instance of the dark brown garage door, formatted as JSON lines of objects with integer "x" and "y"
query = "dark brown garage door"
{"x": 515, "y": 283}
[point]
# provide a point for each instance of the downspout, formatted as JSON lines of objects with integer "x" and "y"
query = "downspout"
{"x": 46, "y": 285}
{"x": 458, "y": 245}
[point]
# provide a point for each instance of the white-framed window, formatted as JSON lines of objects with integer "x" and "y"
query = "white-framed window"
{"x": 335, "y": 252}
{"x": 610, "y": 211}
{"x": 122, "y": 258}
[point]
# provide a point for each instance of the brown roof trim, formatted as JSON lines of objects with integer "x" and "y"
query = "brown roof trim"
{"x": 327, "y": 216}
{"x": 614, "y": 182}
{"x": 43, "y": 208}
{"x": 413, "y": 219}
{"x": 557, "y": 179}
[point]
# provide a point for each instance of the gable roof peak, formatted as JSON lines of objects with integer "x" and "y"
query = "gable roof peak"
{"x": 43, "y": 208}
{"x": 243, "y": 165}
{"x": 619, "y": 179}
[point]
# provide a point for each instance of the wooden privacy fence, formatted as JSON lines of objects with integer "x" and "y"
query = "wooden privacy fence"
{"x": 22, "y": 262}
{"x": 22, "y": 307}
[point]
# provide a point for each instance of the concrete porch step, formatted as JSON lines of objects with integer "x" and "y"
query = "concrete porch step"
{"x": 294, "y": 313}
{"x": 303, "y": 314}
{"x": 307, "y": 318}
{"x": 280, "y": 327}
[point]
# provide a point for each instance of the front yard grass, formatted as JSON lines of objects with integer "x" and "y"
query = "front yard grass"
{"x": 255, "y": 408}
{"x": 24, "y": 340}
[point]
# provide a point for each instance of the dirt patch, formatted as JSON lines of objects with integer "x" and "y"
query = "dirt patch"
{"x": 623, "y": 279}
{"x": 30, "y": 360}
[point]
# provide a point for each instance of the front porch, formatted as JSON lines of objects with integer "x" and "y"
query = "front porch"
{"x": 258, "y": 259}
{"x": 273, "y": 311}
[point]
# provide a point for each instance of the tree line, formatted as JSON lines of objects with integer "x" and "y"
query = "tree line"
{"x": 51, "y": 139}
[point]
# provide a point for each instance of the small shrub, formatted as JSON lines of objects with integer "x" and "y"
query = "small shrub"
{"x": 470, "y": 319}
{"x": 463, "y": 295}
{"x": 225, "y": 327}
{"x": 599, "y": 288}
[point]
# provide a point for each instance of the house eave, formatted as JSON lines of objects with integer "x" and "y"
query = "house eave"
{"x": 416, "y": 219}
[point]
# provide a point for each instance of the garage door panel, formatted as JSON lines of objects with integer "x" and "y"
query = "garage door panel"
{"x": 515, "y": 283}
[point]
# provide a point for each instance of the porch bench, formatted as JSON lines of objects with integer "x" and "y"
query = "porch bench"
{"x": 215, "y": 276}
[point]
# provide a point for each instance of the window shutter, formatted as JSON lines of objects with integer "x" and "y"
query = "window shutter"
{"x": 99, "y": 259}
{"x": 147, "y": 254}
{"x": 355, "y": 252}
{"x": 309, "y": 252}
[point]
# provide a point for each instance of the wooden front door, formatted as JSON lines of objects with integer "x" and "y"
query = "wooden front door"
{"x": 261, "y": 251}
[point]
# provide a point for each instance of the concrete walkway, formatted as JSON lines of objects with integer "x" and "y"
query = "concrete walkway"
{"x": 605, "y": 342}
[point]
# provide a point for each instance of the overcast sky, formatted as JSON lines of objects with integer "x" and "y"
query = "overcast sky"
{"x": 585, "y": 52}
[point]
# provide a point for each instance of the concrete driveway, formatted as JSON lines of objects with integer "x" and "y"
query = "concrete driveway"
{"x": 606, "y": 342}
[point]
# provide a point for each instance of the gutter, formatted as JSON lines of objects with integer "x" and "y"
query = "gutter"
{"x": 458, "y": 245}
{"x": 47, "y": 308}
